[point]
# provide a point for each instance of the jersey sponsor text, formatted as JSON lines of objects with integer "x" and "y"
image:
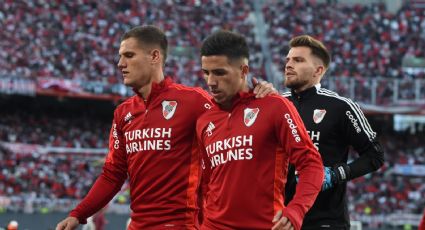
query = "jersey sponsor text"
{"x": 293, "y": 127}
{"x": 353, "y": 121}
{"x": 230, "y": 149}
{"x": 315, "y": 138}
{"x": 148, "y": 139}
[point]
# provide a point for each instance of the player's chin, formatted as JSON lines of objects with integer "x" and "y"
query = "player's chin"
{"x": 128, "y": 82}
{"x": 219, "y": 99}
{"x": 289, "y": 83}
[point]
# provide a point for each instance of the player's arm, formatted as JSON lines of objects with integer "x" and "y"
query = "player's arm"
{"x": 107, "y": 184}
{"x": 360, "y": 135}
{"x": 205, "y": 166}
{"x": 307, "y": 161}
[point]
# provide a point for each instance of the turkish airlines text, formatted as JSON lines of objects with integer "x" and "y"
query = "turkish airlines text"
{"x": 148, "y": 139}
{"x": 230, "y": 149}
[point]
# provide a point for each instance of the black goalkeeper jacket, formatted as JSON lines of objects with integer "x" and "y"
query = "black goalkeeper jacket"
{"x": 334, "y": 123}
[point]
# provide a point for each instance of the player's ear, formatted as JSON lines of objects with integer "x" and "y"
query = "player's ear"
{"x": 320, "y": 71}
{"x": 155, "y": 56}
{"x": 244, "y": 70}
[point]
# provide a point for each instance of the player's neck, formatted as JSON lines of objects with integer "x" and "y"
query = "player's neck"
{"x": 305, "y": 87}
{"x": 146, "y": 90}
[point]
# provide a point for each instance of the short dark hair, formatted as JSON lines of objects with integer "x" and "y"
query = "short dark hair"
{"x": 227, "y": 43}
{"x": 149, "y": 35}
{"x": 317, "y": 48}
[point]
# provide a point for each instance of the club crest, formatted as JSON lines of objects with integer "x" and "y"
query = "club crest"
{"x": 250, "y": 115}
{"x": 318, "y": 115}
{"x": 168, "y": 109}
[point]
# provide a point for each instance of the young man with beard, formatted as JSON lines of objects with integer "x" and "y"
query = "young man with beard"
{"x": 247, "y": 144}
{"x": 334, "y": 123}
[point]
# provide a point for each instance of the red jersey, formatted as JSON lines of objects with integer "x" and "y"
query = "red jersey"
{"x": 153, "y": 142}
{"x": 246, "y": 152}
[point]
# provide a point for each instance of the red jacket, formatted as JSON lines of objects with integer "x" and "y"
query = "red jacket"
{"x": 246, "y": 152}
{"x": 153, "y": 142}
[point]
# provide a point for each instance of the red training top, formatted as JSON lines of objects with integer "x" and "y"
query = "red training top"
{"x": 246, "y": 152}
{"x": 153, "y": 142}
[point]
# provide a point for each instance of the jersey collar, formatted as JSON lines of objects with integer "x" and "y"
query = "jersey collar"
{"x": 306, "y": 93}
{"x": 240, "y": 97}
{"x": 157, "y": 88}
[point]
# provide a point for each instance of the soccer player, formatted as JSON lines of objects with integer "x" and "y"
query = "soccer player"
{"x": 333, "y": 123}
{"x": 152, "y": 141}
{"x": 247, "y": 144}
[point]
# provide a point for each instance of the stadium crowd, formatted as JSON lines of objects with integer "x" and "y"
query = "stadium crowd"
{"x": 388, "y": 192}
{"x": 43, "y": 129}
{"x": 79, "y": 40}
{"x": 365, "y": 40}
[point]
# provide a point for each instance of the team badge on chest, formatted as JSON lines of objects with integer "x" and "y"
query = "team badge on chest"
{"x": 168, "y": 109}
{"x": 250, "y": 115}
{"x": 318, "y": 115}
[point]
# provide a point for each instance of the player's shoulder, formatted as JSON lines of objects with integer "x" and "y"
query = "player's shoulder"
{"x": 126, "y": 107}
{"x": 274, "y": 99}
{"x": 206, "y": 117}
{"x": 195, "y": 97}
{"x": 189, "y": 90}
{"x": 334, "y": 98}
{"x": 127, "y": 102}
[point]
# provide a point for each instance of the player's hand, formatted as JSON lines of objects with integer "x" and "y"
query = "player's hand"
{"x": 263, "y": 88}
{"x": 281, "y": 222}
{"x": 70, "y": 223}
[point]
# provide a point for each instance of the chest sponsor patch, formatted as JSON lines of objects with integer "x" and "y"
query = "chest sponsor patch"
{"x": 318, "y": 115}
{"x": 250, "y": 115}
{"x": 168, "y": 109}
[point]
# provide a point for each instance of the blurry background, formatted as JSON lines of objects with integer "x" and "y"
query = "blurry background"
{"x": 59, "y": 86}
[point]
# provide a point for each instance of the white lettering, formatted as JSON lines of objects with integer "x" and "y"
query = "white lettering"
{"x": 293, "y": 128}
{"x": 149, "y": 139}
{"x": 353, "y": 121}
{"x": 115, "y": 136}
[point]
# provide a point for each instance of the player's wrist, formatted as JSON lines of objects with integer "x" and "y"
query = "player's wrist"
{"x": 342, "y": 173}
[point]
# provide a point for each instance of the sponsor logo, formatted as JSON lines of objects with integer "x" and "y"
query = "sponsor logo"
{"x": 250, "y": 115}
{"x": 315, "y": 138}
{"x": 353, "y": 121}
{"x": 318, "y": 115}
{"x": 148, "y": 139}
{"x": 115, "y": 136}
{"x": 293, "y": 127}
{"x": 236, "y": 148}
{"x": 128, "y": 117}
{"x": 168, "y": 109}
{"x": 207, "y": 106}
{"x": 210, "y": 128}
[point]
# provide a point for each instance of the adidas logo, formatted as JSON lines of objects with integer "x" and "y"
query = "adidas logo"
{"x": 210, "y": 128}
{"x": 128, "y": 117}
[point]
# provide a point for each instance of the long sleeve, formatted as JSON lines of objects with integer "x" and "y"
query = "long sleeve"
{"x": 360, "y": 135}
{"x": 307, "y": 161}
{"x": 110, "y": 180}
